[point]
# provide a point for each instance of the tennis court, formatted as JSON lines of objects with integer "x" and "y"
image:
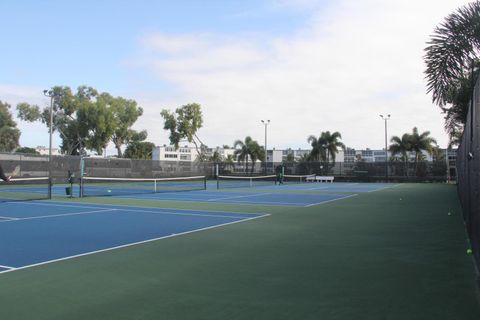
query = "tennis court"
{"x": 123, "y": 258}
{"x": 288, "y": 194}
{"x": 33, "y": 233}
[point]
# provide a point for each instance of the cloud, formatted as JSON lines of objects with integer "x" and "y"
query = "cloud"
{"x": 349, "y": 63}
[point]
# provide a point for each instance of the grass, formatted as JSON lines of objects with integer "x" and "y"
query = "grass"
{"x": 373, "y": 256}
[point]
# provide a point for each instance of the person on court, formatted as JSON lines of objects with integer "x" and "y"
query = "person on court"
{"x": 3, "y": 176}
{"x": 279, "y": 172}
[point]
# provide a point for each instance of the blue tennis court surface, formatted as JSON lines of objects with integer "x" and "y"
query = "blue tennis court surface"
{"x": 33, "y": 233}
{"x": 251, "y": 198}
{"x": 315, "y": 193}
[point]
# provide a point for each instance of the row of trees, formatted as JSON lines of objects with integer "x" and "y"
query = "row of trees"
{"x": 326, "y": 146}
{"x": 85, "y": 120}
{"x": 88, "y": 120}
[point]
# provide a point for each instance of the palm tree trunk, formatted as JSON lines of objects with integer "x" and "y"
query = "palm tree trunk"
{"x": 328, "y": 162}
{"x": 416, "y": 161}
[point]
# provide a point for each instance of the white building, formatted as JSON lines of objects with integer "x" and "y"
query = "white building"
{"x": 186, "y": 153}
{"x": 44, "y": 151}
{"x": 169, "y": 153}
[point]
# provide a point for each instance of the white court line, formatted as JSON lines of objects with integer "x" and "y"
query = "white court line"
{"x": 8, "y": 218}
{"x": 102, "y": 206}
{"x": 6, "y": 267}
{"x": 389, "y": 187}
{"x": 59, "y": 215}
{"x": 268, "y": 203}
{"x": 318, "y": 188}
{"x": 235, "y": 197}
{"x": 131, "y": 244}
{"x": 183, "y": 214}
{"x": 126, "y": 211}
{"x": 314, "y": 204}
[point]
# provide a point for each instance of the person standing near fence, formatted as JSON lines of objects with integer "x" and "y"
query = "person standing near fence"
{"x": 3, "y": 176}
{"x": 279, "y": 172}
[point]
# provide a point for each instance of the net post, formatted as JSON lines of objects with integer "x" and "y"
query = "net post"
{"x": 218, "y": 182}
{"x": 80, "y": 191}
{"x": 50, "y": 183}
{"x": 155, "y": 185}
{"x": 205, "y": 183}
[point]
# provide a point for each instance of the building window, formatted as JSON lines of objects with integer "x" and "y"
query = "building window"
{"x": 171, "y": 156}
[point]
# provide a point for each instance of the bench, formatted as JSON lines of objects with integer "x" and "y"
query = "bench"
{"x": 320, "y": 179}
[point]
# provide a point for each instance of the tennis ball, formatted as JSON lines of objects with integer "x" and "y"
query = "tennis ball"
{"x": 449, "y": 213}
{"x": 469, "y": 251}
{"x": 400, "y": 198}
{"x": 109, "y": 191}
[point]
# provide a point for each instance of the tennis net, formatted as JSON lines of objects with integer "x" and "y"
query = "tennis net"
{"x": 101, "y": 186}
{"x": 23, "y": 189}
{"x": 244, "y": 182}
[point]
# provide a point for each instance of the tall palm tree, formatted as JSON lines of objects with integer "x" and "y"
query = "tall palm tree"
{"x": 248, "y": 149}
{"x": 216, "y": 157}
{"x": 318, "y": 152}
{"x": 401, "y": 146}
{"x": 332, "y": 143}
{"x": 326, "y": 146}
{"x": 256, "y": 153}
{"x": 450, "y": 57}
{"x": 242, "y": 151}
{"x": 229, "y": 162}
{"x": 305, "y": 157}
{"x": 421, "y": 142}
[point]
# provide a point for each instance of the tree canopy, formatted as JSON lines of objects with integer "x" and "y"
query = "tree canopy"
{"x": 184, "y": 124}
{"x": 325, "y": 146}
{"x": 452, "y": 64}
{"x": 27, "y": 150}
{"x": 137, "y": 147}
{"x": 248, "y": 149}
{"x": 86, "y": 119}
{"x": 413, "y": 142}
{"x": 9, "y": 134}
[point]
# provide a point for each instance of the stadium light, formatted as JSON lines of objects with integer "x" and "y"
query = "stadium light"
{"x": 386, "y": 118}
{"x": 265, "y": 123}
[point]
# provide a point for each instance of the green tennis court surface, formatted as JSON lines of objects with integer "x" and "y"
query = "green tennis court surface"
{"x": 389, "y": 254}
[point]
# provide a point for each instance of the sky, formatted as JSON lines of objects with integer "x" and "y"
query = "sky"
{"x": 307, "y": 66}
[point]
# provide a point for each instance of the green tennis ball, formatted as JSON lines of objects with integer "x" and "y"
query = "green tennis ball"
{"x": 469, "y": 251}
{"x": 449, "y": 213}
{"x": 109, "y": 191}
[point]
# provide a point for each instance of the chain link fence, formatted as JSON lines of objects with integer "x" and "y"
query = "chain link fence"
{"x": 359, "y": 171}
{"x": 37, "y": 166}
{"x": 468, "y": 174}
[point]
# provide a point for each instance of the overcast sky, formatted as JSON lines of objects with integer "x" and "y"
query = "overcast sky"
{"x": 308, "y": 66}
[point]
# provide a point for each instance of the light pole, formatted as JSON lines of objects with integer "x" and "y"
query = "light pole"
{"x": 265, "y": 123}
{"x": 52, "y": 95}
{"x": 386, "y": 118}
